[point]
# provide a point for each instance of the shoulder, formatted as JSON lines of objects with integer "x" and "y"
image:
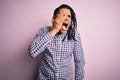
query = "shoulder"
{"x": 43, "y": 30}
{"x": 77, "y": 35}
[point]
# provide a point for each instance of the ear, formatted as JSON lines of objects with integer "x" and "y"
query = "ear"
{"x": 52, "y": 19}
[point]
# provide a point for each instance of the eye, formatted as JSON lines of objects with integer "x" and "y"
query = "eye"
{"x": 69, "y": 16}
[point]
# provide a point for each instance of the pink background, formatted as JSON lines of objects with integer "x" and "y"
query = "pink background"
{"x": 98, "y": 23}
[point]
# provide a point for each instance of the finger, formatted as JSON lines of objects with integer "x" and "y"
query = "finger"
{"x": 60, "y": 16}
{"x": 62, "y": 20}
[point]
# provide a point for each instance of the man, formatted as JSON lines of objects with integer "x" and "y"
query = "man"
{"x": 57, "y": 43}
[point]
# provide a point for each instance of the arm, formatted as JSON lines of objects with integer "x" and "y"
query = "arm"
{"x": 40, "y": 42}
{"x": 78, "y": 58}
{"x": 42, "y": 38}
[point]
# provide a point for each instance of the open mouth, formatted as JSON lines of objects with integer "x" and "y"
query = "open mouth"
{"x": 65, "y": 24}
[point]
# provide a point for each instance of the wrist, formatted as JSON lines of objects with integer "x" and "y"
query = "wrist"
{"x": 53, "y": 32}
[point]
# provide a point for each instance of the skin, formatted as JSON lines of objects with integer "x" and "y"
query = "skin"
{"x": 64, "y": 16}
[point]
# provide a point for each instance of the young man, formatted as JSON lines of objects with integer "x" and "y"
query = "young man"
{"x": 57, "y": 43}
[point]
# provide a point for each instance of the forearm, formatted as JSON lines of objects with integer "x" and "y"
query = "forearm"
{"x": 79, "y": 70}
{"x": 53, "y": 32}
{"x": 39, "y": 44}
{"x": 79, "y": 63}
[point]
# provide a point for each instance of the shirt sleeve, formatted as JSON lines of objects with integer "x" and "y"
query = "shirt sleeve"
{"x": 78, "y": 58}
{"x": 40, "y": 42}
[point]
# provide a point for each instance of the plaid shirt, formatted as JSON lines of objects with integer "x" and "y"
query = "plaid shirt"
{"x": 56, "y": 61}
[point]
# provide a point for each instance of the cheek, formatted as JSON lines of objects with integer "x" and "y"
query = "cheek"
{"x": 70, "y": 20}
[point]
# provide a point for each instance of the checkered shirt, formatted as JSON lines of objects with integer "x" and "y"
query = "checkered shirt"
{"x": 57, "y": 54}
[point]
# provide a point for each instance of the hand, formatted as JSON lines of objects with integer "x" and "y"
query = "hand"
{"x": 57, "y": 22}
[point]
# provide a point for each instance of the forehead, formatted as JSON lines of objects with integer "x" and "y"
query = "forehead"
{"x": 65, "y": 10}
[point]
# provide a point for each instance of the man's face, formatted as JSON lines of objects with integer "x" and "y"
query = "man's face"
{"x": 67, "y": 22}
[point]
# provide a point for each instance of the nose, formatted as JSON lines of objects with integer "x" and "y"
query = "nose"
{"x": 66, "y": 18}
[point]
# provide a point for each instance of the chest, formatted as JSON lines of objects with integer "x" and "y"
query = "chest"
{"x": 59, "y": 46}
